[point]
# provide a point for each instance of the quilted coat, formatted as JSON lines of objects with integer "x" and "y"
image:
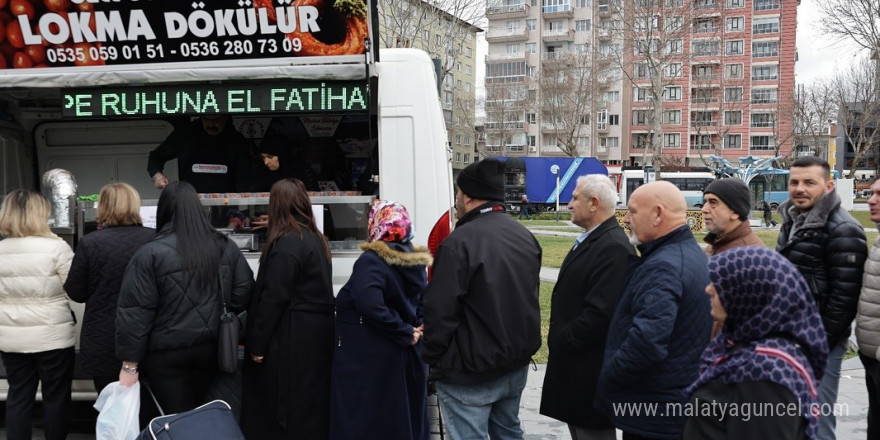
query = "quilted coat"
{"x": 868, "y": 318}
{"x": 829, "y": 249}
{"x": 657, "y": 335}
{"x": 160, "y": 305}
{"x": 95, "y": 277}
{"x": 35, "y": 314}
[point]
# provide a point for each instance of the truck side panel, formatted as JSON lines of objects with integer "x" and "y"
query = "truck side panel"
{"x": 541, "y": 182}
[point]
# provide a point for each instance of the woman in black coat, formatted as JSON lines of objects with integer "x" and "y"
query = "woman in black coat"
{"x": 168, "y": 316}
{"x": 289, "y": 344}
{"x": 377, "y": 357}
{"x": 96, "y": 275}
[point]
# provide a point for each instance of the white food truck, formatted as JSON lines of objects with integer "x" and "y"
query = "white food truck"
{"x": 93, "y": 88}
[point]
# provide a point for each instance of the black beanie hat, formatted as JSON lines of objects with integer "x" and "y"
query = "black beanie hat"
{"x": 734, "y": 193}
{"x": 483, "y": 180}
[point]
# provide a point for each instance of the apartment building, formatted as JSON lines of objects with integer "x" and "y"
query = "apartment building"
{"x": 451, "y": 41}
{"x": 672, "y": 78}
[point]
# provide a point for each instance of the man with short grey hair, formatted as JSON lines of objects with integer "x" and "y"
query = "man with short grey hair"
{"x": 585, "y": 296}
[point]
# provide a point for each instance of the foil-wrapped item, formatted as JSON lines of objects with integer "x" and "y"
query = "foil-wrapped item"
{"x": 58, "y": 186}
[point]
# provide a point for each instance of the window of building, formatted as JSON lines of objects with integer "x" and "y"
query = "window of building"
{"x": 762, "y": 120}
{"x": 674, "y": 46}
{"x": 641, "y": 140}
{"x": 467, "y": 158}
{"x": 672, "y": 140}
{"x": 532, "y": 71}
{"x": 427, "y": 36}
{"x": 583, "y": 3}
{"x": 734, "y": 47}
{"x": 467, "y": 140}
{"x": 734, "y": 24}
{"x": 762, "y": 143}
{"x": 763, "y": 96}
{"x": 613, "y": 119}
{"x": 641, "y": 94}
{"x": 673, "y": 70}
{"x": 531, "y": 47}
{"x": 531, "y": 24}
{"x": 674, "y": 23}
{"x": 512, "y": 25}
{"x": 704, "y": 25}
{"x": 733, "y": 70}
{"x": 458, "y": 139}
{"x": 582, "y": 25}
{"x": 611, "y": 96}
{"x": 531, "y": 140}
{"x": 511, "y": 49}
{"x": 674, "y": 3}
{"x": 584, "y": 119}
{"x": 672, "y": 117}
{"x": 706, "y": 47}
{"x": 531, "y": 118}
{"x": 467, "y": 87}
{"x": 701, "y": 141}
{"x": 765, "y": 72}
{"x": 458, "y": 84}
{"x": 468, "y": 51}
{"x": 732, "y": 4}
{"x": 764, "y": 5}
{"x": 764, "y": 49}
{"x": 640, "y": 117}
{"x": 733, "y": 94}
{"x": 505, "y": 72}
{"x": 458, "y": 157}
{"x": 467, "y": 68}
{"x": 641, "y": 71}
{"x": 732, "y": 141}
{"x": 672, "y": 93}
{"x": 733, "y": 117}
{"x": 438, "y": 38}
{"x": 548, "y": 6}
{"x": 765, "y": 25}
{"x": 581, "y": 49}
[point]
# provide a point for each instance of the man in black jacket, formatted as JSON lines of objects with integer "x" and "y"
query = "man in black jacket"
{"x": 828, "y": 247}
{"x": 481, "y": 313}
{"x": 211, "y": 155}
{"x": 584, "y": 299}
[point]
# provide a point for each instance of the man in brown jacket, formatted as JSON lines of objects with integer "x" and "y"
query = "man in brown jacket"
{"x": 726, "y": 206}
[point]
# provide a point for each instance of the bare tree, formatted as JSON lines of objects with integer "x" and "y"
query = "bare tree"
{"x": 653, "y": 33}
{"x": 815, "y": 108}
{"x": 854, "y": 20}
{"x": 505, "y": 116}
{"x": 569, "y": 89}
{"x": 440, "y": 27}
{"x": 858, "y": 110}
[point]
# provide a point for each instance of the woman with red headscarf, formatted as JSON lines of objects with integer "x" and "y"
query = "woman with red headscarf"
{"x": 379, "y": 382}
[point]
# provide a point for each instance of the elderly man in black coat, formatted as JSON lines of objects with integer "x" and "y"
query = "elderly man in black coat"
{"x": 584, "y": 299}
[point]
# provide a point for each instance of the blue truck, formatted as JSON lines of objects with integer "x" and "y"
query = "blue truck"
{"x": 533, "y": 176}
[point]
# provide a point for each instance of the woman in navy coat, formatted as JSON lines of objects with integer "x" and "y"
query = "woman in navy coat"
{"x": 379, "y": 382}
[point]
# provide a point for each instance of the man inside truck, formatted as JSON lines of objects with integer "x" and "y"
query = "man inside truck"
{"x": 211, "y": 155}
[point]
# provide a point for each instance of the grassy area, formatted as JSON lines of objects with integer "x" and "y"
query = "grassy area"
{"x": 554, "y": 249}
{"x": 546, "y": 291}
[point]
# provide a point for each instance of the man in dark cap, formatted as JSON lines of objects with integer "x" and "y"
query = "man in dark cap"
{"x": 726, "y": 207}
{"x": 481, "y": 313}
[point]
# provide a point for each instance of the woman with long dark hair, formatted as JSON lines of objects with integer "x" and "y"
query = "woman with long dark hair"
{"x": 36, "y": 324}
{"x": 289, "y": 347}
{"x": 170, "y": 302}
{"x": 96, "y": 274}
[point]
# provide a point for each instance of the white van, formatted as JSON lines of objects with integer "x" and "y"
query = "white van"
{"x": 387, "y": 140}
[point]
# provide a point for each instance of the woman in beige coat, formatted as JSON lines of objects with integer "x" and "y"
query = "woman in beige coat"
{"x": 36, "y": 323}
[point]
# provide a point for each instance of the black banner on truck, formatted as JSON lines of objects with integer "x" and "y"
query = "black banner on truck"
{"x": 264, "y": 98}
{"x": 71, "y": 33}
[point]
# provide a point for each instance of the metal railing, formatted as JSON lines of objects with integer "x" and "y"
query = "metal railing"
{"x": 494, "y": 10}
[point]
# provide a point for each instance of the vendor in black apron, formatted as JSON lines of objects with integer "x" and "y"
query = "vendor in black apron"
{"x": 211, "y": 155}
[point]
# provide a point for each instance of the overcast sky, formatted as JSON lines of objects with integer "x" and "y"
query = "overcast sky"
{"x": 818, "y": 55}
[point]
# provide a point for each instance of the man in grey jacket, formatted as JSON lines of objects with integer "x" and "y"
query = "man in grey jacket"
{"x": 829, "y": 249}
{"x": 868, "y": 322}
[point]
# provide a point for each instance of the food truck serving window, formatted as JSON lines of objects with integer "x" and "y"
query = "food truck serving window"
{"x": 242, "y": 99}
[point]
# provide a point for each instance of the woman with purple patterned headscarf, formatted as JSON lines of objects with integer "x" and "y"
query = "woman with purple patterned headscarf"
{"x": 379, "y": 382}
{"x": 759, "y": 376}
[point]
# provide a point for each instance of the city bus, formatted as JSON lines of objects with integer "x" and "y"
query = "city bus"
{"x": 691, "y": 184}
{"x": 772, "y": 186}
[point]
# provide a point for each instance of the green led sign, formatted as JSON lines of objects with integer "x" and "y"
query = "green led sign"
{"x": 296, "y": 97}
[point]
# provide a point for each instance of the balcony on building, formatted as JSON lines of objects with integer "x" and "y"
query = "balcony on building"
{"x": 604, "y": 9}
{"x": 506, "y": 56}
{"x": 706, "y": 5}
{"x": 704, "y": 99}
{"x": 562, "y": 56}
{"x": 566, "y": 34}
{"x": 500, "y": 35}
{"x": 508, "y": 11}
{"x": 602, "y": 127}
{"x": 705, "y": 27}
{"x": 506, "y": 126}
{"x": 603, "y": 34}
{"x": 552, "y": 127}
{"x": 557, "y": 11}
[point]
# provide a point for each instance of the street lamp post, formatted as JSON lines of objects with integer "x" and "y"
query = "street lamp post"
{"x": 555, "y": 170}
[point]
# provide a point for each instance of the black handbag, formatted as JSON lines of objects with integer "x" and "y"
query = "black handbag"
{"x": 227, "y": 340}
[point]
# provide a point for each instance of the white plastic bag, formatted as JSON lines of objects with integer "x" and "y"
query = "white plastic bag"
{"x": 118, "y": 406}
